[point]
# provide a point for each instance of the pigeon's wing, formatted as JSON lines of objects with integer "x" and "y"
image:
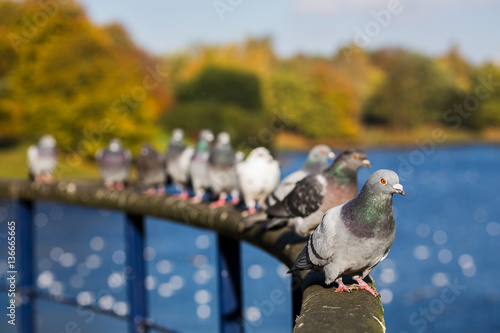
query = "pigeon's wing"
{"x": 128, "y": 157}
{"x": 305, "y": 198}
{"x": 98, "y": 155}
{"x": 276, "y": 223}
{"x": 254, "y": 219}
{"x": 32, "y": 156}
{"x": 275, "y": 174}
{"x": 241, "y": 168}
{"x": 327, "y": 238}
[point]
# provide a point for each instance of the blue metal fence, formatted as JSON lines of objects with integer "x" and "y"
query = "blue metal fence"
{"x": 229, "y": 275}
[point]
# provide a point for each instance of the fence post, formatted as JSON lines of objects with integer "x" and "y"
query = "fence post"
{"x": 230, "y": 285}
{"x": 135, "y": 272}
{"x": 25, "y": 266}
{"x": 296, "y": 297}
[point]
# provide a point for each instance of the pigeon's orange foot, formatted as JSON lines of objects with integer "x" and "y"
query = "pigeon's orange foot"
{"x": 183, "y": 195}
{"x": 251, "y": 210}
{"x": 235, "y": 200}
{"x": 363, "y": 285}
{"x": 120, "y": 185}
{"x": 149, "y": 191}
{"x": 197, "y": 199}
{"x": 218, "y": 203}
{"x": 47, "y": 178}
{"x": 342, "y": 286}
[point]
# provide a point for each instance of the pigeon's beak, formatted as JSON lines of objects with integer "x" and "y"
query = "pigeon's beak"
{"x": 399, "y": 189}
{"x": 331, "y": 155}
{"x": 367, "y": 163}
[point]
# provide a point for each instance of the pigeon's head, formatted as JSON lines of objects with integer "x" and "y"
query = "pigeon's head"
{"x": 115, "y": 145}
{"x": 223, "y": 137}
{"x": 47, "y": 142}
{"x": 385, "y": 181}
{"x": 355, "y": 158}
{"x": 206, "y": 135}
{"x": 239, "y": 157}
{"x": 177, "y": 134}
{"x": 261, "y": 153}
{"x": 146, "y": 149}
{"x": 321, "y": 154}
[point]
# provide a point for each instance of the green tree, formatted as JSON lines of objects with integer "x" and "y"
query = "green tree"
{"x": 80, "y": 82}
{"x": 223, "y": 86}
{"x": 415, "y": 90}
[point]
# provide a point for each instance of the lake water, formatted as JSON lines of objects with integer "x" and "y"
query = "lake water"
{"x": 440, "y": 275}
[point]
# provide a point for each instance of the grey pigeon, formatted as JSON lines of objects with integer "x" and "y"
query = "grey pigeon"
{"x": 42, "y": 159}
{"x": 258, "y": 176}
{"x": 354, "y": 237}
{"x": 114, "y": 164}
{"x": 316, "y": 161}
{"x": 222, "y": 170}
{"x": 304, "y": 206}
{"x": 198, "y": 169}
{"x": 151, "y": 169}
{"x": 178, "y": 158}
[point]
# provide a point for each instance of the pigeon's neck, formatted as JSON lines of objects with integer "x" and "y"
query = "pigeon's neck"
{"x": 313, "y": 166}
{"x": 340, "y": 172}
{"x": 202, "y": 146}
{"x": 175, "y": 148}
{"x": 369, "y": 215}
{"x": 223, "y": 156}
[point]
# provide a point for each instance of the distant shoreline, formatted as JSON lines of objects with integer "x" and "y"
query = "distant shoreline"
{"x": 294, "y": 142}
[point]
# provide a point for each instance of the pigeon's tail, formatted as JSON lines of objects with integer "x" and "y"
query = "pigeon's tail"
{"x": 302, "y": 262}
{"x": 251, "y": 220}
{"x": 271, "y": 200}
{"x": 276, "y": 223}
{"x": 277, "y": 210}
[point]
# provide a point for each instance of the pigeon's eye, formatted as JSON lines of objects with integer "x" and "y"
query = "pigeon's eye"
{"x": 355, "y": 156}
{"x": 321, "y": 152}
{"x": 383, "y": 181}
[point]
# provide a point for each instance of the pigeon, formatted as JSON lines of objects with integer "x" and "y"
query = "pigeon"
{"x": 151, "y": 169}
{"x": 42, "y": 159}
{"x": 114, "y": 164}
{"x": 355, "y": 236}
{"x": 316, "y": 161}
{"x": 304, "y": 206}
{"x": 258, "y": 176}
{"x": 198, "y": 169}
{"x": 178, "y": 158}
{"x": 222, "y": 170}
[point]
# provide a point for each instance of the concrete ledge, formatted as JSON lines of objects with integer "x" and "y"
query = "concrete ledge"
{"x": 322, "y": 309}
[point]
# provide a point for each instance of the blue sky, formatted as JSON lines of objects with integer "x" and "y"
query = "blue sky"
{"x": 309, "y": 26}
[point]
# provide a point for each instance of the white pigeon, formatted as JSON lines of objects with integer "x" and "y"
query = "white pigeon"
{"x": 258, "y": 176}
{"x": 42, "y": 159}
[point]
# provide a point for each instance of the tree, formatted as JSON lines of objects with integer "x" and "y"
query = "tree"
{"x": 415, "y": 90}
{"x": 80, "y": 82}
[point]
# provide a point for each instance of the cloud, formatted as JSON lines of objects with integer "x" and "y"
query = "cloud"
{"x": 316, "y": 6}
{"x": 335, "y": 6}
